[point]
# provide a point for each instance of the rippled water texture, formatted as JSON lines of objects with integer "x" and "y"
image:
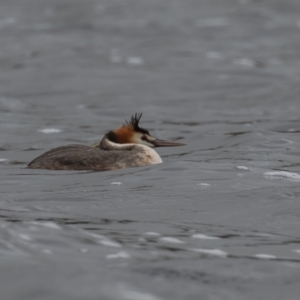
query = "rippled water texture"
{"x": 220, "y": 218}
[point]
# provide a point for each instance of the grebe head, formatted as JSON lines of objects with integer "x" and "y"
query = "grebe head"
{"x": 132, "y": 133}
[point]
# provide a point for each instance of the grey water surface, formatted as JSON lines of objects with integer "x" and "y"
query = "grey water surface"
{"x": 220, "y": 218}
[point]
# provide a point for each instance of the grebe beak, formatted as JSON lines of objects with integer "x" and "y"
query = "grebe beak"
{"x": 162, "y": 143}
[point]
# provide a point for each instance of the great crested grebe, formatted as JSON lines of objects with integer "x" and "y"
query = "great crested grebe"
{"x": 126, "y": 147}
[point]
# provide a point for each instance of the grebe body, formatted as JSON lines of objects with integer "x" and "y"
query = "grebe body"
{"x": 129, "y": 146}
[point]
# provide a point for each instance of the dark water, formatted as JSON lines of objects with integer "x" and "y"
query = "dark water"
{"x": 213, "y": 221}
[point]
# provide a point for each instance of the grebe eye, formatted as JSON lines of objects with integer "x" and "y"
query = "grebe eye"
{"x": 144, "y": 138}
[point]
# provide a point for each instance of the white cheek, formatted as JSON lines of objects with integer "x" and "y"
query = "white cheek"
{"x": 138, "y": 140}
{"x": 142, "y": 142}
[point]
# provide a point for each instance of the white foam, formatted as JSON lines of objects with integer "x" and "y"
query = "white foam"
{"x": 134, "y": 60}
{"x": 51, "y": 225}
{"x": 25, "y": 237}
{"x": 288, "y": 141}
{"x": 151, "y": 233}
{"x": 282, "y": 175}
{"x": 265, "y": 256}
{"x": 243, "y": 168}
{"x": 204, "y": 237}
{"x": 171, "y": 240}
{"x": 3, "y": 160}
{"x": 244, "y": 62}
{"x": 116, "y": 183}
{"x": 204, "y": 185}
{"x": 129, "y": 294}
{"x": 84, "y": 250}
{"x": 47, "y": 251}
{"x": 214, "y": 252}
{"x": 121, "y": 254}
{"x": 102, "y": 239}
{"x": 50, "y": 130}
{"x": 110, "y": 243}
{"x": 46, "y": 224}
{"x": 97, "y": 236}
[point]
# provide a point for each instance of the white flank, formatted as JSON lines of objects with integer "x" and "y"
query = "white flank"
{"x": 282, "y": 175}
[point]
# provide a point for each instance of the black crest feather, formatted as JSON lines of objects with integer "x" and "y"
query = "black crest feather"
{"x": 134, "y": 122}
